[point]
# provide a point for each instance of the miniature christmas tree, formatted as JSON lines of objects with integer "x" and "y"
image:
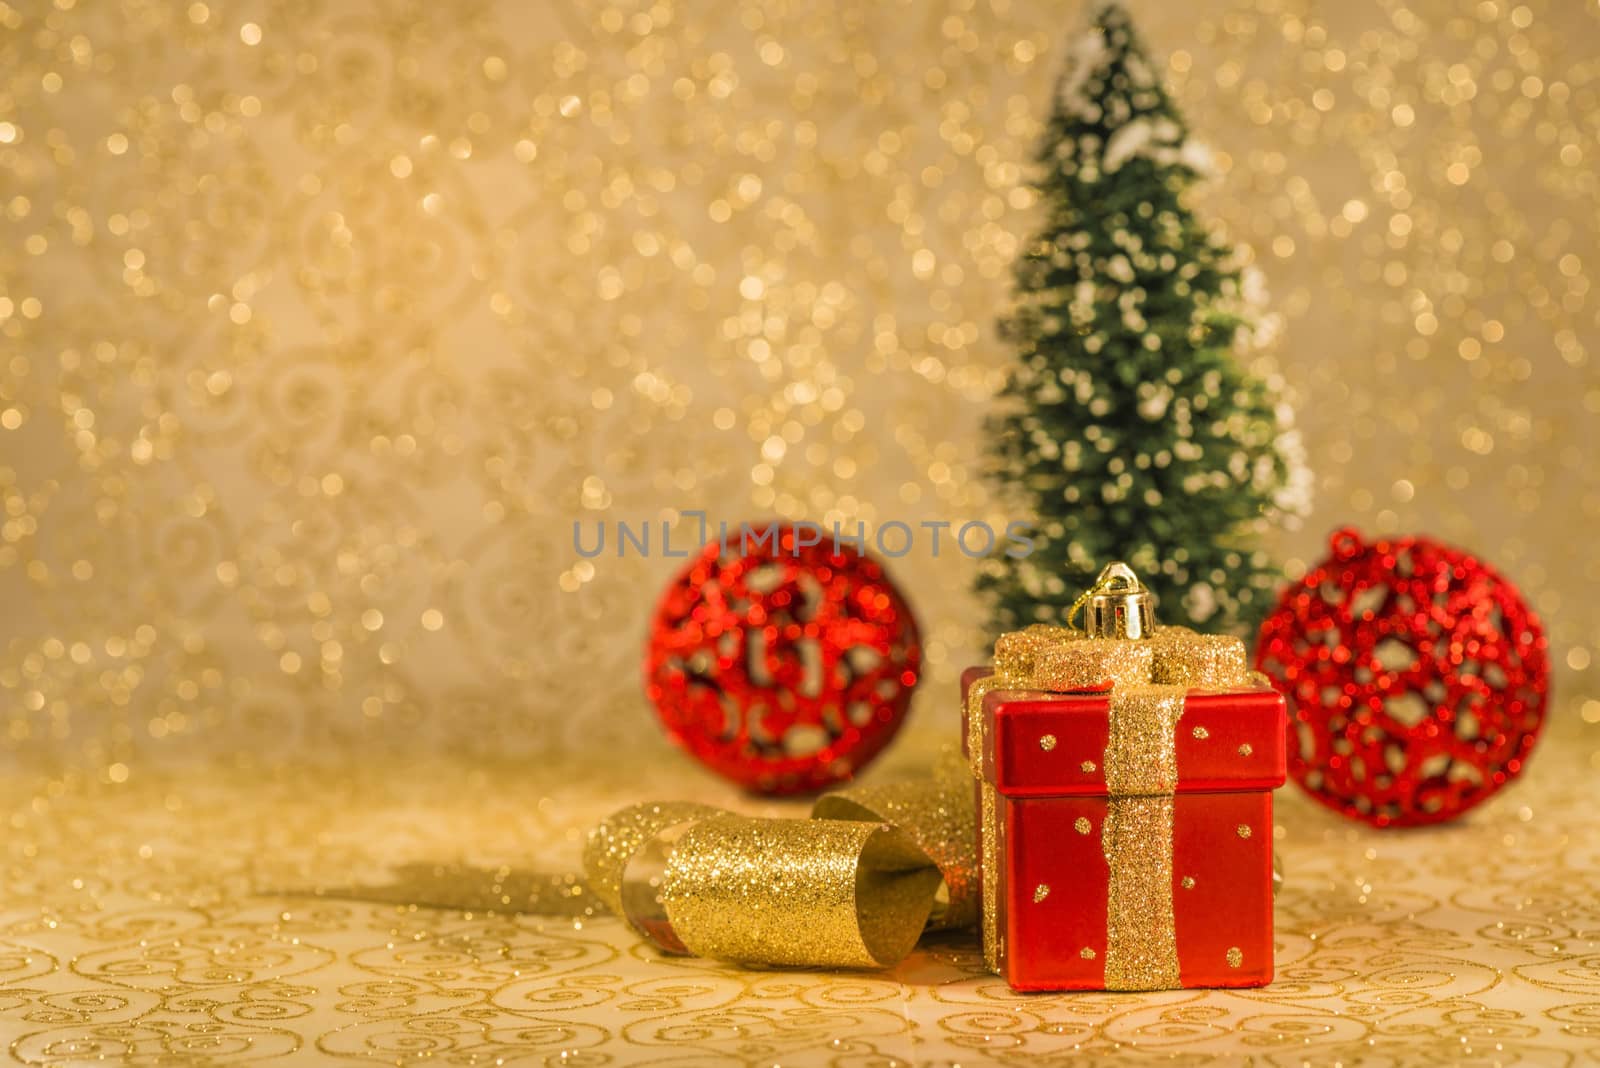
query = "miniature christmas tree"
{"x": 1131, "y": 427}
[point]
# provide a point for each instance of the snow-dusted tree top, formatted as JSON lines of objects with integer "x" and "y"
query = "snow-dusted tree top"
{"x": 1093, "y": 59}
{"x": 1130, "y": 423}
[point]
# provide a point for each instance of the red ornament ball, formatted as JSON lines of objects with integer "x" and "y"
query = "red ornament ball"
{"x": 780, "y": 663}
{"x": 1416, "y": 679}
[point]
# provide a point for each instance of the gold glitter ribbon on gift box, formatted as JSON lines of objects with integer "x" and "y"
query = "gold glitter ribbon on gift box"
{"x": 1148, "y": 679}
{"x": 853, "y": 887}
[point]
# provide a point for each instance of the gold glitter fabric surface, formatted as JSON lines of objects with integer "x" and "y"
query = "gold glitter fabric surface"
{"x": 228, "y": 917}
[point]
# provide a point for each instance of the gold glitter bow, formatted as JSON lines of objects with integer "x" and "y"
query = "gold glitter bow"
{"x": 1148, "y": 680}
{"x": 853, "y": 887}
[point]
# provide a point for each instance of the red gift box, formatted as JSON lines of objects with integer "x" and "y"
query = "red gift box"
{"x": 1125, "y": 825}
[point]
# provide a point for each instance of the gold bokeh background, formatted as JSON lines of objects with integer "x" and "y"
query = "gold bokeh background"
{"x": 321, "y": 324}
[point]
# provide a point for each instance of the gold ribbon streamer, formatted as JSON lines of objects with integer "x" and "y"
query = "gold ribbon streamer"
{"x": 1141, "y": 927}
{"x": 828, "y": 893}
{"x": 938, "y": 813}
{"x": 1148, "y": 681}
{"x": 853, "y": 887}
{"x": 634, "y": 842}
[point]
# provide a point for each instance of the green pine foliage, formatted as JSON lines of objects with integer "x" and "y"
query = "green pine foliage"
{"x": 1130, "y": 427}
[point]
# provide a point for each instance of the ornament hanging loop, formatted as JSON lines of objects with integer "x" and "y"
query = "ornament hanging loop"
{"x": 1117, "y": 606}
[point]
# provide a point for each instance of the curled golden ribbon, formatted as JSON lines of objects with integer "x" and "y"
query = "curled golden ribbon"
{"x": 853, "y": 887}
{"x": 939, "y": 814}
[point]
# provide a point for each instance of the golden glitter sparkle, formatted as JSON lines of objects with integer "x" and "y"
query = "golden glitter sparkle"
{"x": 1065, "y": 665}
{"x": 1041, "y": 892}
{"x": 1082, "y": 825}
{"x": 1243, "y": 830}
{"x": 938, "y": 814}
{"x": 1188, "y": 882}
{"x": 1142, "y": 751}
{"x": 1047, "y": 743}
{"x": 1190, "y": 660}
{"x": 352, "y": 227}
{"x": 798, "y": 891}
{"x": 343, "y": 307}
{"x": 1201, "y": 732}
{"x": 1235, "y": 957}
{"x": 1245, "y": 749}
{"x": 1087, "y": 953}
{"x": 990, "y": 830}
{"x": 1087, "y": 766}
{"x": 1141, "y": 925}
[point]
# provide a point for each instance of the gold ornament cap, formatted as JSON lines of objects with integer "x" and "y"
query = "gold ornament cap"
{"x": 1118, "y": 605}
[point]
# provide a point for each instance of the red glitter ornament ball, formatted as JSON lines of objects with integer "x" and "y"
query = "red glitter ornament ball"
{"x": 779, "y": 663}
{"x": 1415, "y": 675}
